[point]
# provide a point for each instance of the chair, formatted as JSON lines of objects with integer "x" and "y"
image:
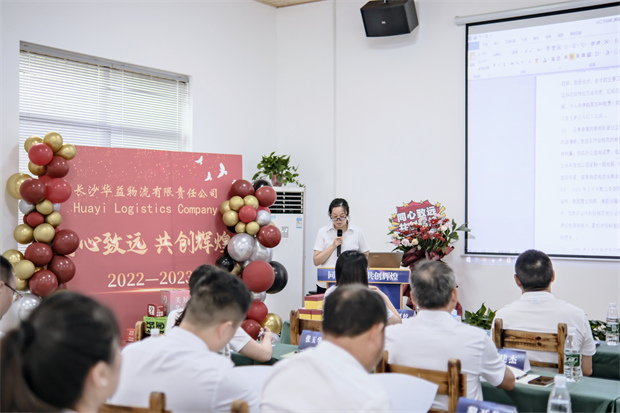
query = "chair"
{"x": 298, "y": 325}
{"x": 528, "y": 340}
{"x": 451, "y": 382}
{"x": 157, "y": 404}
{"x": 239, "y": 406}
{"x": 140, "y": 330}
{"x": 407, "y": 393}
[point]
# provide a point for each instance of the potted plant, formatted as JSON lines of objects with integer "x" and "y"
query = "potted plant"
{"x": 278, "y": 169}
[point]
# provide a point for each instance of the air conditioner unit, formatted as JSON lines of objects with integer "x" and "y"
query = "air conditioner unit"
{"x": 287, "y": 213}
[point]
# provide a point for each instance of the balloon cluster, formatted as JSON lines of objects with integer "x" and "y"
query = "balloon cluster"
{"x": 249, "y": 252}
{"x": 44, "y": 266}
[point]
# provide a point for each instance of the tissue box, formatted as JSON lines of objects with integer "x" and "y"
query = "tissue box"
{"x": 314, "y": 302}
{"x": 174, "y": 299}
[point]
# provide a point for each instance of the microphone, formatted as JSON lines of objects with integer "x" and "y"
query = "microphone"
{"x": 339, "y": 233}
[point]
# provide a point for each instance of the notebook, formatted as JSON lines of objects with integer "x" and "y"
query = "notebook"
{"x": 384, "y": 259}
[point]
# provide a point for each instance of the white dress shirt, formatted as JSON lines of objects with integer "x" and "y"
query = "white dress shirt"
{"x": 180, "y": 365}
{"x": 333, "y": 288}
{"x": 352, "y": 240}
{"x": 432, "y": 337}
{"x": 324, "y": 379}
{"x": 541, "y": 312}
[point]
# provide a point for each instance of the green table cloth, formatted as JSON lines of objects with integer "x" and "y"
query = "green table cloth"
{"x": 279, "y": 350}
{"x": 606, "y": 362}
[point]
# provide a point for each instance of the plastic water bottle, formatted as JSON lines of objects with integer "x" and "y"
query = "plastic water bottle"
{"x": 572, "y": 357}
{"x": 611, "y": 335}
{"x": 559, "y": 399}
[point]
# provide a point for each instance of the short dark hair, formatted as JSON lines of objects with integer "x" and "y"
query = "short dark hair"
{"x": 218, "y": 296}
{"x": 534, "y": 270}
{"x": 338, "y": 202}
{"x": 352, "y": 268}
{"x": 432, "y": 283}
{"x": 45, "y": 361}
{"x": 6, "y": 270}
{"x": 352, "y": 310}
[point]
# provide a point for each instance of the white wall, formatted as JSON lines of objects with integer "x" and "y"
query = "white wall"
{"x": 398, "y": 136}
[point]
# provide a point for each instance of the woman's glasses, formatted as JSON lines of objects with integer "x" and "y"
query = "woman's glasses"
{"x": 336, "y": 219}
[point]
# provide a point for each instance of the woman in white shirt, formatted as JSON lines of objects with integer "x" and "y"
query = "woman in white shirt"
{"x": 352, "y": 268}
{"x": 328, "y": 239}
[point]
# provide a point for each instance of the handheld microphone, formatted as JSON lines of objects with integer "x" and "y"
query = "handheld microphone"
{"x": 339, "y": 233}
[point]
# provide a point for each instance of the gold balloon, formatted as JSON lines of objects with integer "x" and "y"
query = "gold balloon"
{"x": 240, "y": 227}
{"x": 230, "y": 218}
{"x": 273, "y": 322}
{"x": 21, "y": 285}
{"x": 236, "y": 202}
{"x": 224, "y": 206}
{"x": 67, "y": 151}
{"x": 31, "y": 140}
{"x": 37, "y": 170}
{"x": 24, "y": 269}
{"x": 45, "y": 207}
{"x": 236, "y": 269}
{"x": 23, "y": 234}
{"x": 44, "y": 232}
{"x": 252, "y": 228}
{"x": 251, "y": 200}
{"x": 13, "y": 256}
{"x": 54, "y": 219}
{"x": 14, "y": 182}
{"x": 53, "y": 140}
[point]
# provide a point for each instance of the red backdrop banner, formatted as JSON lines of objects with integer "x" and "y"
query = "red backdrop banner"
{"x": 146, "y": 219}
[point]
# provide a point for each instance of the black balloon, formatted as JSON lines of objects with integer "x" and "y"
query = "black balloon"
{"x": 281, "y": 278}
{"x": 225, "y": 262}
{"x": 231, "y": 229}
{"x": 260, "y": 182}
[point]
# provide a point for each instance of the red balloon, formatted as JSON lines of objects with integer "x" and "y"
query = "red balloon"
{"x": 43, "y": 283}
{"x": 242, "y": 188}
{"x": 269, "y": 236}
{"x": 34, "y": 219}
{"x": 24, "y": 219}
{"x": 266, "y": 196}
{"x": 40, "y": 154}
{"x": 57, "y": 190}
{"x": 32, "y": 191}
{"x": 252, "y": 328}
{"x": 258, "y": 276}
{"x": 39, "y": 253}
{"x": 247, "y": 213}
{"x": 63, "y": 267}
{"x": 58, "y": 167}
{"x": 45, "y": 179}
{"x": 65, "y": 242}
{"x": 258, "y": 311}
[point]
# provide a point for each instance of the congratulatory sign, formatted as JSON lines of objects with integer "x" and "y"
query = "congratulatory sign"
{"x": 146, "y": 219}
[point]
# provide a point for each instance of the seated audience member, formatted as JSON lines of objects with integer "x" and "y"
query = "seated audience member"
{"x": 538, "y": 310}
{"x": 352, "y": 268}
{"x": 241, "y": 341}
{"x": 8, "y": 294}
{"x": 65, "y": 357}
{"x": 432, "y": 337}
{"x": 333, "y": 376}
{"x": 184, "y": 363}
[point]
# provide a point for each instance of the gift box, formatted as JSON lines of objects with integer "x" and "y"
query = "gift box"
{"x": 174, "y": 299}
{"x": 156, "y": 310}
{"x": 308, "y": 314}
{"x": 130, "y": 335}
{"x": 314, "y": 302}
{"x": 155, "y": 322}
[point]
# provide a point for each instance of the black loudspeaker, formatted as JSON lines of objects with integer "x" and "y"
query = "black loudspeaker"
{"x": 389, "y": 17}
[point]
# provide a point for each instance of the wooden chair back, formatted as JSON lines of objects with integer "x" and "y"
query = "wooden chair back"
{"x": 298, "y": 325}
{"x": 452, "y": 382}
{"x": 239, "y": 406}
{"x": 528, "y": 340}
{"x": 140, "y": 330}
{"x": 157, "y": 404}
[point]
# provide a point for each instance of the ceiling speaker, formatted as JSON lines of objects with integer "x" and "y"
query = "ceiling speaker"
{"x": 389, "y": 17}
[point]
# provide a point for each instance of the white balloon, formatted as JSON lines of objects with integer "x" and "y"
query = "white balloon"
{"x": 261, "y": 253}
{"x": 241, "y": 247}
{"x": 25, "y": 305}
{"x": 56, "y": 207}
{"x": 263, "y": 217}
{"x": 259, "y": 296}
{"x": 25, "y": 207}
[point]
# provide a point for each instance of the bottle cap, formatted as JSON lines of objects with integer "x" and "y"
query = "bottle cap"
{"x": 154, "y": 331}
{"x": 560, "y": 379}
{"x": 612, "y": 304}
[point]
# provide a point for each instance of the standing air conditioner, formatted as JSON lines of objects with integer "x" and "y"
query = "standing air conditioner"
{"x": 287, "y": 213}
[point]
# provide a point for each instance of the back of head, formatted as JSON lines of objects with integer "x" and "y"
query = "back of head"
{"x": 352, "y": 268}
{"x": 432, "y": 283}
{"x": 199, "y": 274}
{"x": 219, "y": 296}
{"x": 45, "y": 361}
{"x": 6, "y": 270}
{"x": 534, "y": 270}
{"x": 352, "y": 310}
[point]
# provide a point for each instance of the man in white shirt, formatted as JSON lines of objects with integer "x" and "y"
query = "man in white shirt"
{"x": 334, "y": 376}
{"x": 184, "y": 363}
{"x": 539, "y": 311}
{"x": 433, "y": 336}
